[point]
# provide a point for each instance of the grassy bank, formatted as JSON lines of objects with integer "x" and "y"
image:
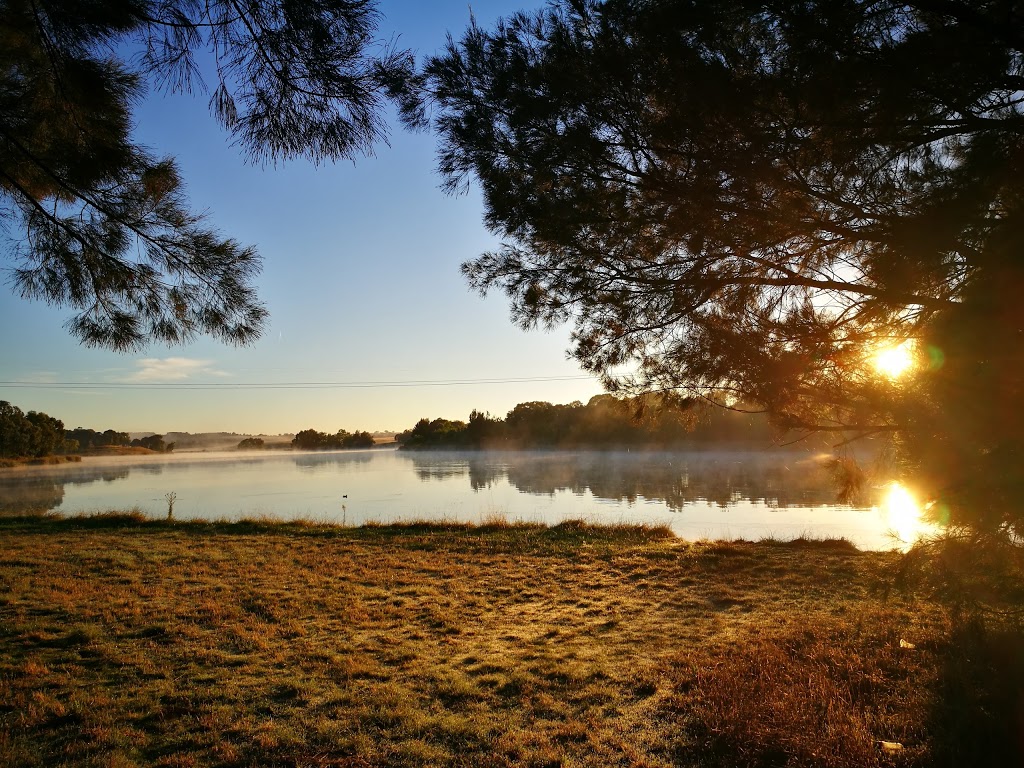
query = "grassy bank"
{"x": 37, "y": 461}
{"x": 107, "y": 450}
{"x": 124, "y": 642}
{"x": 119, "y": 450}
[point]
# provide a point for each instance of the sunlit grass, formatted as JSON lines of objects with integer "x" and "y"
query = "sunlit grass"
{"x": 127, "y": 641}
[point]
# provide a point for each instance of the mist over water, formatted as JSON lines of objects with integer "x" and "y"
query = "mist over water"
{"x": 708, "y": 494}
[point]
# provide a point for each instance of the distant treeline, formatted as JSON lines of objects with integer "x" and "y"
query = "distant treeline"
{"x": 36, "y": 434}
{"x": 220, "y": 441}
{"x": 82, "y": 439}
{"x": 90, "y": 438}
{"x": 605, "y": 421}
{"x": 311, "y": 440}
{"x": 154, "y": 443}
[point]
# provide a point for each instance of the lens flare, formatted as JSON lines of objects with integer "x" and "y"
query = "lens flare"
{"x": 902, "y": 514}
{"x": 894, "y": 361}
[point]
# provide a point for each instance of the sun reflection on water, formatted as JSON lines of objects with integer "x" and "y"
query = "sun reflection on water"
{"x": 902, "y": 514}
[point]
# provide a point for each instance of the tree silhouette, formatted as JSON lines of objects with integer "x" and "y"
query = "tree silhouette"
{"x": 747, "y": 201}
{"x": 106, "y": 229}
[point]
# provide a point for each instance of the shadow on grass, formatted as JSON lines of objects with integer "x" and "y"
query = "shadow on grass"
{"x": 978, "y": 707}
{"x": 977, "y": 716}
{"x": 850, "y": 689}
{"x": 842, "y": 693}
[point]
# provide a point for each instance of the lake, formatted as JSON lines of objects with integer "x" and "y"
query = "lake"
{"x": 712, "y": 495}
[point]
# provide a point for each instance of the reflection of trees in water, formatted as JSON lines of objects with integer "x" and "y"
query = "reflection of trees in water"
{"x": 680, "y": 479}
{"x": 312, "y": 462}
{"x": 483, "y": 469}
{"x": 782, "y": 480}
{"x": 442, "y": 472}
{"x": 484, "y": 474}
{"x": 29, "y": 494}
{"x": 85, "y": 476}
{"x": 22, "y": 492}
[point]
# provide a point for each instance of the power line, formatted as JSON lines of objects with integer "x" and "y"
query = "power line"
{"x": 282, "y": 385}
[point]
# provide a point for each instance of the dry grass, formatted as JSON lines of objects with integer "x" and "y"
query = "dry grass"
{"x": 132, "y": 642}
{"x": 38, "y": 461}
{"x": 119, "y": 450}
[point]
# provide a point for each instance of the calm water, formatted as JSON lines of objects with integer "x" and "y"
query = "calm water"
{"x": 705, "y": 495}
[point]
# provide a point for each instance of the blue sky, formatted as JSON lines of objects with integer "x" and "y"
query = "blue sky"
{"x": 360, "y": 276}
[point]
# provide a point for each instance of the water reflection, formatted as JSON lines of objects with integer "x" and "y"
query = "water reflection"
{"x": 27, "y": 491}
{"x": 674, "y": 479}
{"x": 331, "y": 461}
{"x": 700, "y": 494}
{"x": 33, "y": 495}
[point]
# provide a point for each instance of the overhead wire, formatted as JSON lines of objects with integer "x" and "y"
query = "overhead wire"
{"x": 182, "y": 385}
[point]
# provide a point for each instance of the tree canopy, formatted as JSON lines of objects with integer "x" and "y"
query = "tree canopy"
{"x": 31, "y": 434}
{"x": 753, "y": 199}
{"x": 99, "y": 223}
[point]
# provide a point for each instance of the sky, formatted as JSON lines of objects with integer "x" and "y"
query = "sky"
{"x": 360, "y": 275}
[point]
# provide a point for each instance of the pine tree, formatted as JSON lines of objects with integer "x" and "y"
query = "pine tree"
{"x": 101, "y": 225}
{"x": 749, "y": 201}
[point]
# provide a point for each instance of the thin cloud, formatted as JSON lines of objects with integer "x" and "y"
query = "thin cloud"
{"x": 40, "y": 377}
{"x": 156, "y": 369}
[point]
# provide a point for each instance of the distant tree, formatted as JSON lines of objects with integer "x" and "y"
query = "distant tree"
{"x": 14, "y": 436}
{"x": 105, "y": 225}
{"x": 312, "y": 440}
{"x": 251, "y": 444}
{"x": 47, "y": 434}
{"x": 113, "y": 437}
{"x": 358, "y": 440}
{"x": 542, "y": 423}
{"x": 85, "y": 438}
{"x": 30, "y": 434}
{"x": 483, "y": 430}
{"x": 751, "y": 200}
{"x": 309, "y": 440}
{"x": 153, "y": 443}
{"x": 439, "y": 433}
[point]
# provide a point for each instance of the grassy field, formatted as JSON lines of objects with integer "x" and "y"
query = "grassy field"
{"x": 126, "y": 643}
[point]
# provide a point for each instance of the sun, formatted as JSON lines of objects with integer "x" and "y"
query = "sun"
{"x": 895, "y": 360}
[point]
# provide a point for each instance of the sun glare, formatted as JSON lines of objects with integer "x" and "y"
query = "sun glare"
{"x": 902, "y": 514}
{"x": 894, "y": 361}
